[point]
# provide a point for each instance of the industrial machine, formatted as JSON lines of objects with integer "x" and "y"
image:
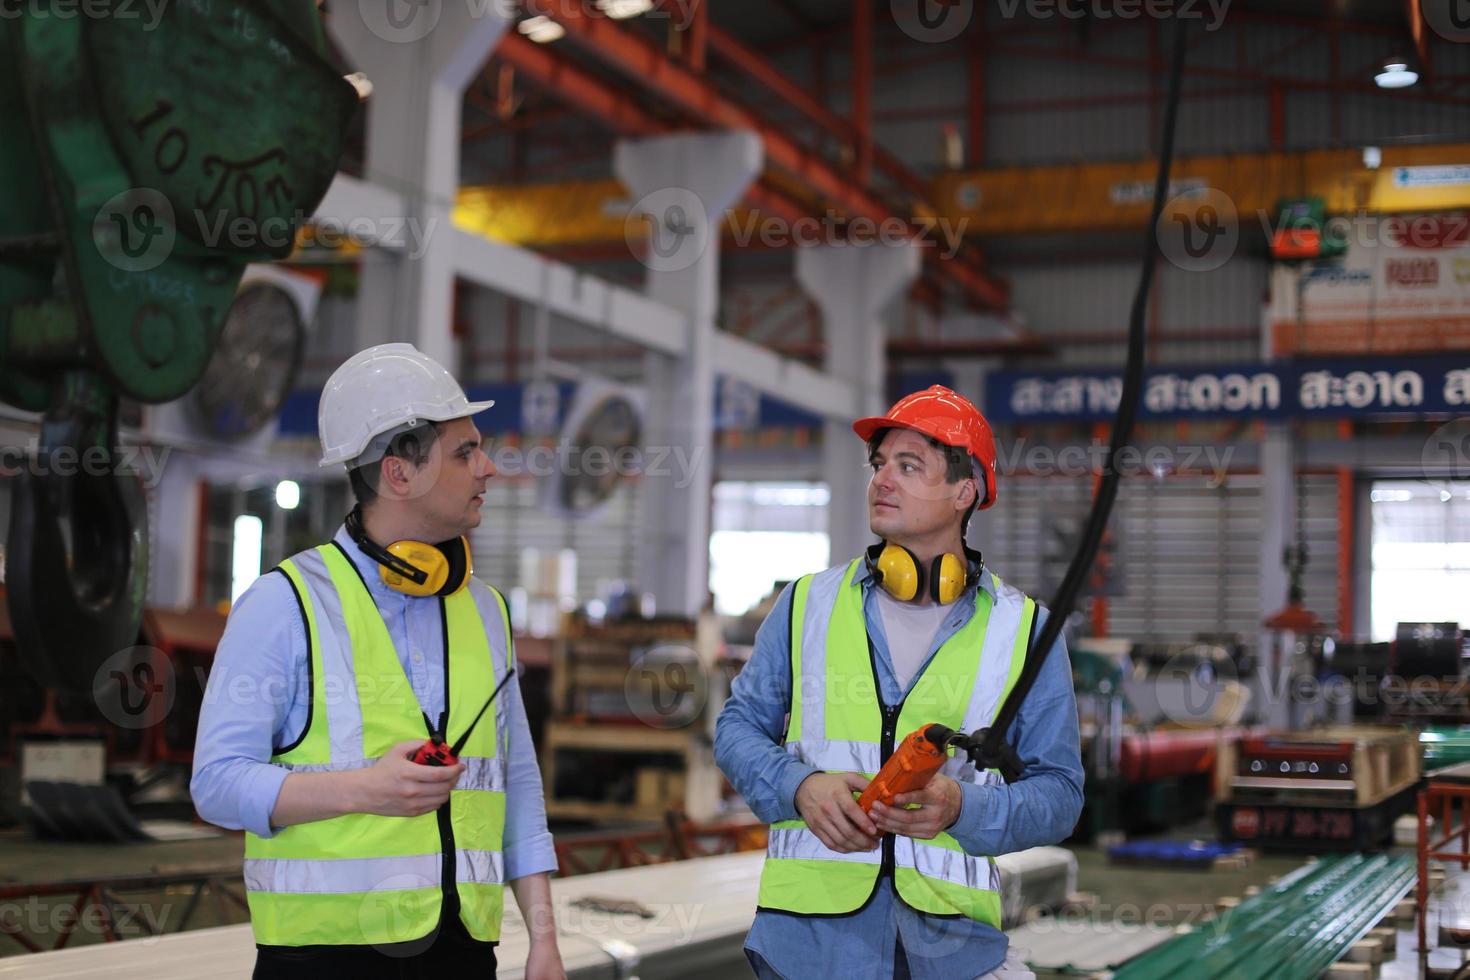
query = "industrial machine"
{"x": 1336, "y": 788}
{"x": 145, "y": 164}
{"x": 1153, "y": 717}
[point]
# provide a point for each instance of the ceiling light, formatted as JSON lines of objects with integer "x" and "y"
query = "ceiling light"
{"x": 623, "y": 9}
{"x": 542, "y": 30}
{"x": 1396, "y": 74}
{"x": 288, "y": 495}
{"x": 1372, "y": 157}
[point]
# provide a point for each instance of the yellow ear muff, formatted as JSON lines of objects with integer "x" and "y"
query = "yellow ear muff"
{"x": 459, "y": 567}
{"x": 426, "y": 558}
{"x": 902, "y": 578}
{"x": 947, "y": 579}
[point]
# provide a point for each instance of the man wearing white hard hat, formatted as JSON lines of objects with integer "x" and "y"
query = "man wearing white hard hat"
{"x": 364, "y": 855}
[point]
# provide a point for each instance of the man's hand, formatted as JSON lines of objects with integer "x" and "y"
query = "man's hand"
{"x": 396, "y": 786}
{"x": 825, "y": 802}
{"x": 544, "y": 962}
{"x": 939, "y": 807}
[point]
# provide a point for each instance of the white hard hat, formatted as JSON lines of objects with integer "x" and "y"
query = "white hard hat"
{"x": 386, "y": 387}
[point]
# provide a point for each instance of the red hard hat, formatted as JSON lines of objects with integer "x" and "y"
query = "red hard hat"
{"x": 945, "y": 415}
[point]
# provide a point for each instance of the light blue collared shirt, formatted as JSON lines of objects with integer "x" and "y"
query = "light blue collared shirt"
{"x": 259, "y": 692}
{"x": 1041, "y": 808}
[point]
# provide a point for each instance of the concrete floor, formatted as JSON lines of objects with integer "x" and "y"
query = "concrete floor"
{"x": 1121, "y": 888}
{"x": 1130, "y": 895}
{"x": 45, "y": 918}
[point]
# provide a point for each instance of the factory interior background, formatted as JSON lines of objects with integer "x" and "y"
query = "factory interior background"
{"x": 682, "y": 245}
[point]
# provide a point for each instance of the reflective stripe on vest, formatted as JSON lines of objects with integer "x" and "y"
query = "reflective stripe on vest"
{"x": 364, "y": 879}
{"x": 366, "y": 874}
{"x": 836, "y": 726}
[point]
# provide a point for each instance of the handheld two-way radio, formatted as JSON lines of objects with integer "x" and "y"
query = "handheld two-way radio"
{"x": 918, "y": 757}
{"x": 435, "y": 752}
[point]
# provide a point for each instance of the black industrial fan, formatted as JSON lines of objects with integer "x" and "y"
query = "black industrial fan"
{"x": 602, "y": 439}
{"x": 254, "y": 364}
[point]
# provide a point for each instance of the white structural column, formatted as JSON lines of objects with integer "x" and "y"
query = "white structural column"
{"x": 682, "y": 185}
{"x": 175, "y": 524}
{"x": 420, "y": 56}
{"x": 853, "y": 285}
{"x": 1278, "y": 531}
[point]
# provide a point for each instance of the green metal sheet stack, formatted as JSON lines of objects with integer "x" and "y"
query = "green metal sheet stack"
{"x": 1447, "y": 746}
{"x": 1295, "y": 929}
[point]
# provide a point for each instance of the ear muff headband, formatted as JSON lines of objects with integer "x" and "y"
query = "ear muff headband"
{"x": 416, "y": 568}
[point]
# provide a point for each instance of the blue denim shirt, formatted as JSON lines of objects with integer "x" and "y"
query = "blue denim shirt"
{"x": 259, "y": 692}
{"x": 1041, "y": 808}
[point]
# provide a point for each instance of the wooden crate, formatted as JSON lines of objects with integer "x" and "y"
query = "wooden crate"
{"x": 694, "y": 789}
{"x": 589, "y": 665}
{"x": 1384, "y": 761}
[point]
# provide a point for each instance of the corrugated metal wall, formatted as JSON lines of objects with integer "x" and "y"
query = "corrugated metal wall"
{"x": 513, "y": 519}
{"x": 1184, "y": 551}
{"x": 1093, "y": 298}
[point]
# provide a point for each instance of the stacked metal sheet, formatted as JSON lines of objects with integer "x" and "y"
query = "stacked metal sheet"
{"x": 1445, "y": 746}
{"x": 1293, "y": 931}
{"x": 676, "y": 920}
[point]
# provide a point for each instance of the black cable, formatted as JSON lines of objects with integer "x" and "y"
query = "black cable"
{"x": 994, "y": 752}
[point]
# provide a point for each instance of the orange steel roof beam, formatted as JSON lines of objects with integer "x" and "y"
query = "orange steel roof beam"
{"x": 748, "y": 61}
{"x": 647, "y": 64}
{"x": 576, "y": 87}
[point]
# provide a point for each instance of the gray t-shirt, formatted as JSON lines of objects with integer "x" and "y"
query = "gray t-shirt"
{"x": 910, "y": 630}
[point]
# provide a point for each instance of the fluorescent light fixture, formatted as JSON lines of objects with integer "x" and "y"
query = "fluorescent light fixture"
{"x": 1396, "y": 74}
{"x": 1372, "y": 157}
{"x": 1391, "y": 496}
{"x": 288, "y": 495}
{"x": 623, "y": 9}
{"x": 245, "y": 554}
{"x": 542, "y": 30}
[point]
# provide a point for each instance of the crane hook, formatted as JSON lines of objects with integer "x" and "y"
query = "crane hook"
{"x": 78, "y": 556}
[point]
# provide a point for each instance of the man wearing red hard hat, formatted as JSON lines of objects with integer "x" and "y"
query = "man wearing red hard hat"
{"x": 915, "y": 631}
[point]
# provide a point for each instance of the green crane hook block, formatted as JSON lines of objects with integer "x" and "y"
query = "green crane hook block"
{"x": 147, "y": 159}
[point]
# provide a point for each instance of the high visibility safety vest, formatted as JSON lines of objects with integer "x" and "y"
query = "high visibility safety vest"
{"x": 839, "y": 724}
{"x": 364, "y": 879}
